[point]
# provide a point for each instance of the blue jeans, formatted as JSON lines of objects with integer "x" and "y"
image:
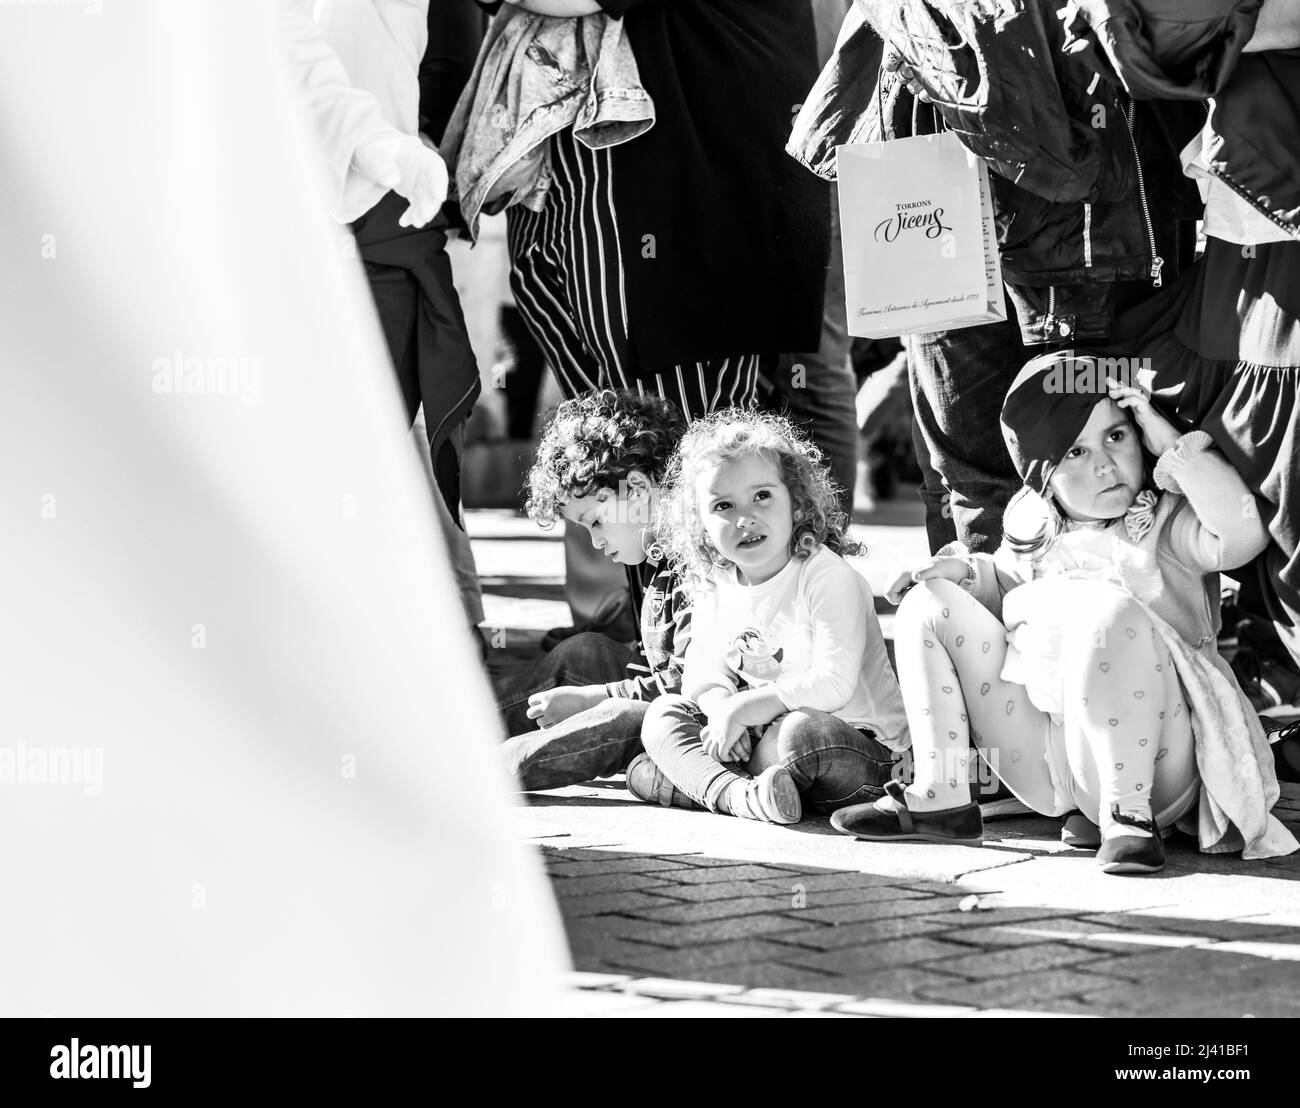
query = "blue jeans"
{"x": 833, "y": 763}
{"x": 959, "y": 380}
{"x": 587, "y": 658}
{"x": 596, "y": 743}
{"x": 818, "y": 389}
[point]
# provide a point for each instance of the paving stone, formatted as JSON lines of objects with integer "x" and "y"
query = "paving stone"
{"x": 916, "y": 1009}
{"x": 858, "y": 934}
{"x": 1030, "y": 932}
{"x": 1048, "y": 1010}
{"x": 666, "y": 988}
{"x": 603, "y": 955}
{"x": 846, "y": 880}
{"x": 995, "y": 916}
{"x": 940, "y": 888}
{"x": 770, "y": 975}
{"x": 703, "y": 1009}
{"x": 900, "y": 982}
{"x": 699, "y": 911}
{"x": 859, "y": 912}
{"x": 791, "y": 998}
{"x": 1008, "y": 961}
{"x": 717, "y": 931}
{"x": 597, "y": 904}
{"x": 721, "y": 890}
{"x": 734, "y": 872}
{"x": 580, "y": 980}
{"x": 1187, "y": 999}
{"x": 615, "y": 863}
{"x": 826, "y": 1015}
{"x": 707, "y": 961}
{"x": 830, "y": 898}
{"x": 1244, "y": 929}
{"x": 855, "y": 961}
{"x": 565, "y": 887}
{"x": 1021, "y": 990}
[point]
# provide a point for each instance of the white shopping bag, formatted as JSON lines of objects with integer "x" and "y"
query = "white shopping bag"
{"x": 920, "y": 247}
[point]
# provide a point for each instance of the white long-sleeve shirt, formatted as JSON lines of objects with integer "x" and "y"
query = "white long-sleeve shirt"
{"x": 811, "y": 632}
{"x": 357, "y": 65}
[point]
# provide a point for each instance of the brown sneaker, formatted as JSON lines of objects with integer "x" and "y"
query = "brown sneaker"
{"x": 646, "y": 781}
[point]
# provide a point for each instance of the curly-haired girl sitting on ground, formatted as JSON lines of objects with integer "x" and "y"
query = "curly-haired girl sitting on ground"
{"x": 787, "y": 696}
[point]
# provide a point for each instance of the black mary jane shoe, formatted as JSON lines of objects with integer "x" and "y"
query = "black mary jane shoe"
{"x": 888, "y": 820}
{"x": 1132, "y": 853}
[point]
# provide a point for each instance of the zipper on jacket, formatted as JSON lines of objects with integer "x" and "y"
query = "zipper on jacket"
{"x": 1087, "y": 235}
{"x": 1157, "y": 262}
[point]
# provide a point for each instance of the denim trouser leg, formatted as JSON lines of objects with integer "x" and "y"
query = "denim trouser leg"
{"x": 599, "y": 742}
{"x": 822, "y": 396}
{"x": 959, "y": 380}
{"x": 587, "y": 658}
{"x": 671, "y": 734}
{"x": 833, "y": 763}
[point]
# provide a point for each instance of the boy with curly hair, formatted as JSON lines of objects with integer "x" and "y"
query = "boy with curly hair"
{"x": 576, "y": 714}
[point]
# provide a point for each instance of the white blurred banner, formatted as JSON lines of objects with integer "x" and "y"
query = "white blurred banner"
{"x": 247, "y": 757}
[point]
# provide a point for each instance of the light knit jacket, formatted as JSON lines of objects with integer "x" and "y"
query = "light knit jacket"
{"x": 1206, "y": 521}
{"x": 535, "y": 76}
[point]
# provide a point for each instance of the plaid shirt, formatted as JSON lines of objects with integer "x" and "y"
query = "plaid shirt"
{"x": 665, "y": 633}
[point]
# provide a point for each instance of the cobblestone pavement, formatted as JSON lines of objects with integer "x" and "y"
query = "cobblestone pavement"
{"x": 679, "y": 913}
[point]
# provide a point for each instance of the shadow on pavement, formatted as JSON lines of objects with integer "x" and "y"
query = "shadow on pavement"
{"x": 662, "y": 924}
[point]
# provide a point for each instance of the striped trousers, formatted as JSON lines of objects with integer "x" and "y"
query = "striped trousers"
{"x": 567, "y": 277}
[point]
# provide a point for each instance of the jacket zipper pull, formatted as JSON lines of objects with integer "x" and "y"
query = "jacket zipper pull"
{"x": 1157, "y": 264}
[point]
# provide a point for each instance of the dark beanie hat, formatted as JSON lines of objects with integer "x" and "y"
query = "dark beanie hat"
{"x": 1046, "y": 407}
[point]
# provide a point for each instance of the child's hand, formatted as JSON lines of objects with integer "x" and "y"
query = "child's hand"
{"x": 942, "y": 565}
{"x": 552, "y": 706}
{"x": 1158, "y": 434}
{"x": 723, "y": 735}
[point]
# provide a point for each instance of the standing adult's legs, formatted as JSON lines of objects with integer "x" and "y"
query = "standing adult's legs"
{"x": 959, "y": 380}
{"x": 818, "y": 389}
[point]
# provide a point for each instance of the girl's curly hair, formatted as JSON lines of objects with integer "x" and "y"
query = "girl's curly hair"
{"x": 594, "y": 441}
{"x": 818, "y": 518}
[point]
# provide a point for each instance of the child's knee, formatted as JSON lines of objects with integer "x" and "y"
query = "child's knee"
{"x": 803, "y": 730}
{"x": 666, "y": 716}
{"x": 1109, "y": 620}
{"x": 928, "y": 602}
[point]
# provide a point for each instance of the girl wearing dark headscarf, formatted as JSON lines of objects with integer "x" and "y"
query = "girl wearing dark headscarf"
{"x": 1081, "y": 657}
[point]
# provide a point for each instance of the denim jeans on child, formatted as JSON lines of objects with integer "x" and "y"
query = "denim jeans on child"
{"x": 833, "y": 763}
{"x": 598, "y": 742}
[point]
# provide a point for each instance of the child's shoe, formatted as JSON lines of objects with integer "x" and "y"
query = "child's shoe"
{"x": 890, "y": 820}
{"x": 1080, "y": 832}
{"x": 772, "y": 796}
{"x": 646, "y": 781}
{"x": 1132, "y": 853}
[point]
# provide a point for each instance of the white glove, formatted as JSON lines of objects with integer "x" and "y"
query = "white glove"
{"x": 409, "y": 166}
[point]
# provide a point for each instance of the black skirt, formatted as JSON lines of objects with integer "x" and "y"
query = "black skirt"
{"x": 1224, "y": 344}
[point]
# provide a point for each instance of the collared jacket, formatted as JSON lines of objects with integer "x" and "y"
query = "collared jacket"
{"x": 535, "y": 76}
{"x": 1193, "y": 50}
{"x": 1087, "y": 185}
